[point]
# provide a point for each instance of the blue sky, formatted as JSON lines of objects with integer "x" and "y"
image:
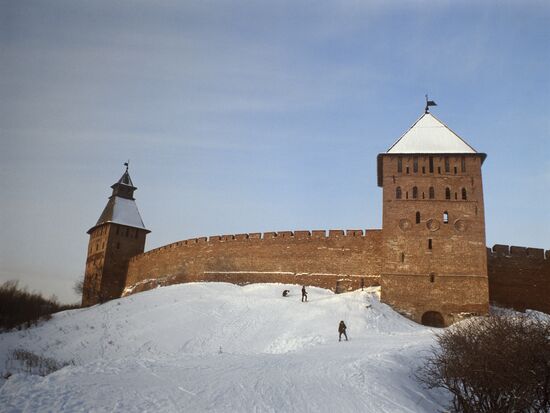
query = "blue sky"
{"x": 250, "y": 116}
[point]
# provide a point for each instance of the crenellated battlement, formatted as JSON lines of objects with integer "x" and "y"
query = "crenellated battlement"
{"x": 500, "y": 250}
{"x": 267, "y": 236}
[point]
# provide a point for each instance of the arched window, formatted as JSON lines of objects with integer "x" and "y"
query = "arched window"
{"x": 430, "y": 244}
{"x": 402, "y": 257}
{"x": 415, "y": 164}
{"x": 447, "y": 193}
{"x": 399, "y": 165}
{"x": 398, "y": 192}
{"x": 432, "y": 192}
{"x": 463, "y": 164}
{"x": 464, "y": 194}
{"x": 445, "y": 217}
{"x": 432, "y": 277}
{"x": 417, "y": 217}
{"x": 415, "y": 192}
{"x": 447, "y": 164}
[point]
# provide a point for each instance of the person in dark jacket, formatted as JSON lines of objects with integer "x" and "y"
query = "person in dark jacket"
{"x": 342, "y": 330}
{"x": 285, "y": 293}
{"x": 304, "y": 294}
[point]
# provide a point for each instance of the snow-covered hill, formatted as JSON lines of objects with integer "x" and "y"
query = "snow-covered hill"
{"x": 224, "y": 348}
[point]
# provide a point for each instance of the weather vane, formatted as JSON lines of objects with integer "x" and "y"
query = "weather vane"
{"x": 126, "y": 164}
{"x": 428, "y": 104}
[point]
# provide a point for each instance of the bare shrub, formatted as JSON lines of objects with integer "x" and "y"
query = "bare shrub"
{"x": 28, "y": 362}
{"x": 78, "y": 287}
{"x": 21, "y": 308}
{"x": 493, "y": 364}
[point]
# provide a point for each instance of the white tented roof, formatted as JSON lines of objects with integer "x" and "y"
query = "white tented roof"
{"x": 121, "y": 211}
{"x": 429, "y": 135}
{"x": 126, "y": 212}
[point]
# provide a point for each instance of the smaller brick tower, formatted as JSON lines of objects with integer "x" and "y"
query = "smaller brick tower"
{"x": 434, "y": 259}
{"x": 118, "y": 235}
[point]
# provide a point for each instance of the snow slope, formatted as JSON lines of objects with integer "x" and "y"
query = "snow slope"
{"x": 225, "y": 348}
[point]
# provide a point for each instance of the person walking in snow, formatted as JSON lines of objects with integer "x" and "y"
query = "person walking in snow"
{"x": 342, "y": 330}
{"x": 304, "y": 294}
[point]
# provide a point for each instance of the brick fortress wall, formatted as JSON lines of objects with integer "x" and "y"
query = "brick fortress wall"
{"x": 338, "y": 260}
{"x": 519, "y": 277}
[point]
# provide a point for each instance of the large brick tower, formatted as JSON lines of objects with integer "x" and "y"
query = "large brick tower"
{"x": 434, "y": 258}
{"x": 118, "y": 235}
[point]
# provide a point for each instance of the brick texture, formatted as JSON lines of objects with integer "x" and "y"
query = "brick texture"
{"x": 519, "y": 278}
{"x": 434, "y": 254}
{"x": 340, "y": 260}
{"x": 109, "y": 250}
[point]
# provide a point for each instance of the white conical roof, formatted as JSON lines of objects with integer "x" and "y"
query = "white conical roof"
{"x": 430, "y": 135}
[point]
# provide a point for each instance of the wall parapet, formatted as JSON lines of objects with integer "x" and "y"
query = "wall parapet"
{"x": 258, "y": 236}
{"x": 500, "y": 250}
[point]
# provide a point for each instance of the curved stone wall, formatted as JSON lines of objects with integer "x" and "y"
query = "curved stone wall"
{"x": 338, "y": 260}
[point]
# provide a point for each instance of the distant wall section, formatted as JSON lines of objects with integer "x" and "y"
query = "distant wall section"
{"x": 339, "y": 260}
{"x": 519, "y": 277}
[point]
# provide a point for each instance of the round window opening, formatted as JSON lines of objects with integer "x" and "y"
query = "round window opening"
{"x": 432, "y": 224}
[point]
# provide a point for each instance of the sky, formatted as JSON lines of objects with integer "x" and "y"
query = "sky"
{"x": 253, "y": 116}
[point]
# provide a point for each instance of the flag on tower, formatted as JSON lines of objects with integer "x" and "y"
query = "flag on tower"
{"x": 428, "y": 104}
